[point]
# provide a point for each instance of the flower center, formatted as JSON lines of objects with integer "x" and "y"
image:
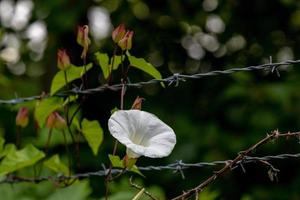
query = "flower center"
{"x": 139, "y": 139}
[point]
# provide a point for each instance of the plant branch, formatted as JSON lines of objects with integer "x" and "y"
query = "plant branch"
{"x": 109, "y": 177}
{"x": 240, "y": 158}
{"x": 140, "y": 188}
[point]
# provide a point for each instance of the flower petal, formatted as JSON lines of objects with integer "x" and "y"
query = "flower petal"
{"x": 142, "y": 133}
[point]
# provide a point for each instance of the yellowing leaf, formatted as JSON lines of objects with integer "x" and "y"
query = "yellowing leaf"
{"x": 93, "y": 133}
{"x": 45, "y": 107}
{"x": 73, "y": 73}
{"x": 56, "y": 165}
{"x": 19, "y": 159}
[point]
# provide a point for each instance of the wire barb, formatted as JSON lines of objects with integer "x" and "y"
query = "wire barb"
{"x": 176, "y": 167}
{"x": 174, "y": 79}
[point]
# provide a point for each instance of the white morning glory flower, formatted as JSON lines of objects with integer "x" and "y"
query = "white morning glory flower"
{"x": 142, "y": 133}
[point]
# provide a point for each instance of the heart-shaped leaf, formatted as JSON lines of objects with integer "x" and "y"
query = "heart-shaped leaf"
{"x": 93, "y": 133}
{"x": 19, "y": 159}
{"x": 45, "y": 107}
{"x": 73, "y": 73}
{"x": 103, "y": 61}
{"x": 56, "y": 165}
{"x": 145, "y": 66}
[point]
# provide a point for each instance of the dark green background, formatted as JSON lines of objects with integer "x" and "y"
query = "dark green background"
{"x": 214, "y": 118}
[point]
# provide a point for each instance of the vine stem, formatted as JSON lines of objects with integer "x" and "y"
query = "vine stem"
{"x": 84, "y": 77}
{"x": 48, "y": 140}
{"x": 239, "y": 158}
{"x": 84, "y": 80}
{"x": 68, "y": 152}
{"x": 108, "y": 177}
{"x": 39, "y": 166}
{"x": 112, "y": 65}
{"x": 18, "y": 136}
{"x": 140, "y": 188}
{"x": 69, "y": 122}
{"x": 123, "y": 91}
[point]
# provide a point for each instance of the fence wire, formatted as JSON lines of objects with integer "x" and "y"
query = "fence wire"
{"x": 176, "y": 167}
{"x": 175, "y": 79}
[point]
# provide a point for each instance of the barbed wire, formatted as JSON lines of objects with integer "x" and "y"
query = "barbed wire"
{"x": 239, "y": 160}
{"x": 176, "y": 167}
{"x": 175, "y": 79}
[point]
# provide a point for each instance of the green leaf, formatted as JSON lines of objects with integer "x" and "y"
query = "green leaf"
{"x": 93, "y": 133}
{"x": 78, "y": 191}
{"x": 117, "y": 62}
{"x": 19, "y": 159}
{"x": 120, "y": 195}
{"x": 45, "y": 108}
{"x": 143, "y": 65}
{"x": 106, "y": 63}
{"x": 8, "y": 149}
{"x": 116, "y": 161}
{"x": 71, "y": 98}
{"x": 2, "y": 141}
{"x": 56, "y": 165}
{"x": 103, "y": 60}
{"x": 73, "y": 73}
{"x": 135, "y": 169}
{"x": 57, "y": 138}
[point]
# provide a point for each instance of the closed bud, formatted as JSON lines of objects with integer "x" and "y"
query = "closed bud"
{"x": 137, "y": 104}
{"x": 54, "y": 120}
{"x": 118, "y": 33}
{"x": 83, "y": 39}
{"x": 22, "y": 118}
{"x": 63, "y": 60}
{"x": 126, "y": 42}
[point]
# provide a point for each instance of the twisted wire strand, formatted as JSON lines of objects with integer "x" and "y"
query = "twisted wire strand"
{"x": 177, "y": 166}
{"x": 175, "y": 79}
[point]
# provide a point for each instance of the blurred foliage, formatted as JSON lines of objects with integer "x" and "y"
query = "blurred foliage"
{"x": 214, "y": 118}
{"x": 30, "y": 191}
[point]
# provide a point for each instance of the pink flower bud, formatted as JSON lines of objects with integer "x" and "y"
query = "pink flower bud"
{"x": 54, "y": 120}
{"x": 22, "y": 117}
{"x": 118, "y": 33}
{"x": 83, "y": 39}
{"x": 50, "y": 121}
{"x": 126, "y": 42}
{"x": 63, "y": 60}
{"x": 137, "y": 104}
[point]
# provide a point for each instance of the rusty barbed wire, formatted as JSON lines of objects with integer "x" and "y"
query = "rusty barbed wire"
{"x": 175, "y": 79}
{"x": 176, "y": 167}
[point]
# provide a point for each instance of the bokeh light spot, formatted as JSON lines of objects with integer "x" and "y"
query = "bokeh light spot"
{"x": 99, "y": 22}
{"x": 141, "y": 10}
{"x": 215, "y": 24}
